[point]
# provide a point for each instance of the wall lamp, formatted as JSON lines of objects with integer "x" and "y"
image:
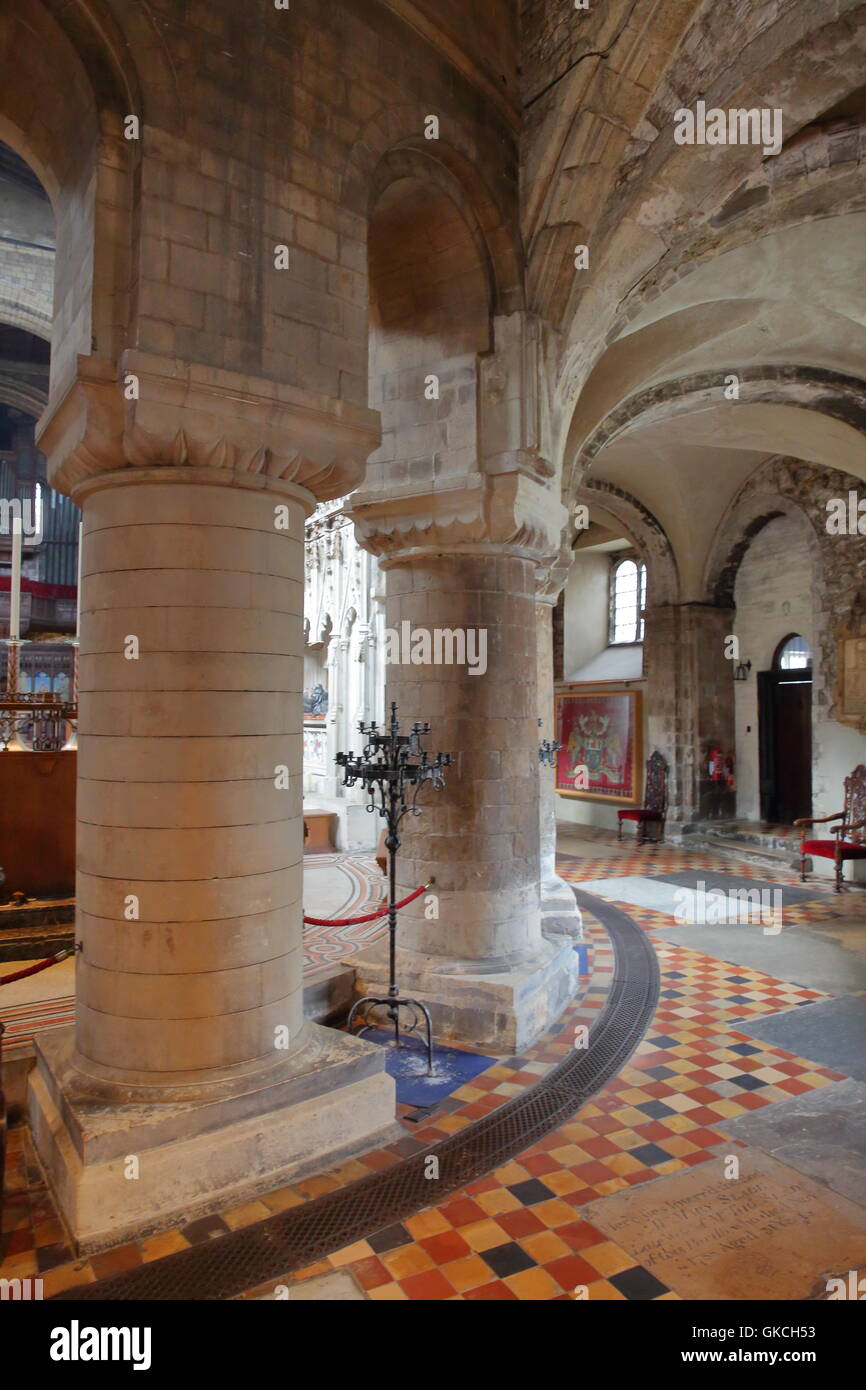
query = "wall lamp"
{"x": 741, "y": 670}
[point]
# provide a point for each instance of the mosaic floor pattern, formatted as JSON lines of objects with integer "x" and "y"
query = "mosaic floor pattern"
{"x": 548, "y": 1225}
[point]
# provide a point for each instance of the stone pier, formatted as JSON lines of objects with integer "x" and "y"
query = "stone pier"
{"x": 191, "y": 1074}
{"x": 475, "y": 952}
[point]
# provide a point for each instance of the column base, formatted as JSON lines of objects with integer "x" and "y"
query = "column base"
{"x": 501, "y": 1008}
{"x": 329, "y": 1099}
{"x": 560, "y": 914}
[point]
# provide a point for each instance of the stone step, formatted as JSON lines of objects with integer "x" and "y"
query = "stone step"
{"x": 753, "y": 834}
{"x": 732, "y": 847}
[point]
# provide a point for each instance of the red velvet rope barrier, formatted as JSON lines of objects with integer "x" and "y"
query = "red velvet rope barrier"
{"x": 34, "y": 969}
{"x": 311, "y": 921}
{"x": 356, "y": 921}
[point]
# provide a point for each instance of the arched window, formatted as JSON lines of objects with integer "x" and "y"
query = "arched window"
{"x": 627, "y": 601}
{"x": 793, "y": 654}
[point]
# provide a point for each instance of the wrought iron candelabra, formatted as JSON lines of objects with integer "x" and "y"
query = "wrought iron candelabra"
{"x": 393, "y": 768}
{"x": 547, "y": 751}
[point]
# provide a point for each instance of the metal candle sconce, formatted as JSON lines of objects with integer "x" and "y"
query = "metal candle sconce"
{"x": 547, "y": 751}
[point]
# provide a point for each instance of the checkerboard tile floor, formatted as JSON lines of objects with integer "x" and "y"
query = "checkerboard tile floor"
{"x": 35, "y": 1242}
{"x": 516, "y": 1233}
{"x": 652, "y": 860}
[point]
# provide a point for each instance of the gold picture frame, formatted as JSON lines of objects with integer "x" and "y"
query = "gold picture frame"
{"x": 601, "y": 731}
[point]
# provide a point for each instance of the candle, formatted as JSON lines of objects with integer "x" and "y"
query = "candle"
{"x": 78, "y": 590}
{"x": 15, "y": 589}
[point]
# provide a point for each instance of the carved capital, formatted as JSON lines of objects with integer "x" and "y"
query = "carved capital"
{"x": 550, "y": 579}
{"x": 508, "y": 513}
{"x": 150, "y": 412}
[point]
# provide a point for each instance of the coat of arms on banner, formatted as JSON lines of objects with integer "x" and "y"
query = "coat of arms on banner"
{"x": 599, "y": 732}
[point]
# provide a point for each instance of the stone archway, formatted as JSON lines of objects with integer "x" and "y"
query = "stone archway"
{"x": 77, "y": 152}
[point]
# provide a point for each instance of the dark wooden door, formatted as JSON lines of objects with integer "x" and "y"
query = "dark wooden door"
{"x": 785, "y": 733}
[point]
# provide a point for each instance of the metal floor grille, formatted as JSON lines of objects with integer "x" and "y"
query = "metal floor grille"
{"x": 229, "y": 1265}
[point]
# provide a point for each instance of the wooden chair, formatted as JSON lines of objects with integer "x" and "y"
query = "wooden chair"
{"x": 654, "y": 810}
{"x": 848, "y": 841}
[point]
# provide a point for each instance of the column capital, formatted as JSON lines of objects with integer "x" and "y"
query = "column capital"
{"x": 551, "y": 578}
{"x": 506, "y": 514}
{"x": 144, "y": 412}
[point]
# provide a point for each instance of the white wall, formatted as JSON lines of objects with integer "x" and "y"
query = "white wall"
{"x": 587, "y": 611}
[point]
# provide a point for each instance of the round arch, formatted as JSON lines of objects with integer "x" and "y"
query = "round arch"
{"x": 758, "y": 503}
{"x": 76, "y": 150}
{"x": 792, "y": 651}
{"x": 392, "y": 145}
{"x": 644, "y": 530}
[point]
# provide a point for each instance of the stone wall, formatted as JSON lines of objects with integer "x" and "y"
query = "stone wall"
{"x": 281, "y": 162}
{"x": 786, "y": 500}
{"x": 26, "y": 252}
{"x": 429, "y": 318}
{"x": 774, "y": 593}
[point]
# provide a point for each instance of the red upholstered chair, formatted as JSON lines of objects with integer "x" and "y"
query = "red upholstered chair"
{"x": 655, "y": 806}
{"x": 848, "y": 841}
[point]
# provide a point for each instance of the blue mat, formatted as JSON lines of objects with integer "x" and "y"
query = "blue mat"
{"x": 408, "y": 1066}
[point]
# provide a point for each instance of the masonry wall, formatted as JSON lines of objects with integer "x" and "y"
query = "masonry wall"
{"x": 822, "y": 578}
{"x": 429, "y": 318}
{"x": 274, "y": 144}
{"x": 484, "y": 33}
{"x": 26, "y": 257}
{"x": 782, "y": 588}
{"x": 774, "y": 598}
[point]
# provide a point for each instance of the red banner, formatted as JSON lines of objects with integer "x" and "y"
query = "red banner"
{"x": 38, "y": 589}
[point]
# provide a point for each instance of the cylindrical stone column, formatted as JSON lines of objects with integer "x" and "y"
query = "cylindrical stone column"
{"x": 190, "y": 840}
{"x": 479, "y": 838}
{"x": 690, "y": 705}
{"x": 560, "y": 912}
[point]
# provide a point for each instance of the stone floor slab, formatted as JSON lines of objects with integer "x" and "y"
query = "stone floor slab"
{"x": 638, "y": 891}
{"x": 715, "y": 882}
{"x": 821, "y": 1134}
{"x": 826, "y": 957}
{"x": 831, "y": 1032}
{"x": 683, "y": 902}
{"x": 771, "y": 1233}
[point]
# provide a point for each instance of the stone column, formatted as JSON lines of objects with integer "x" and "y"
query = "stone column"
{"x": 559, "y": 910}
{"x": 476, "y": 953}
{"x": 480, "y": 838}
{"x": 191, "y": 665}
{"x": 690, "y": 706}
{"x": 190, "y": 1050}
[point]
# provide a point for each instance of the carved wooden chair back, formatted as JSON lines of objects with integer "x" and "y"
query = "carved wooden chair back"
{"x": 656, "y": 794}
{"x": 855, "y": 806}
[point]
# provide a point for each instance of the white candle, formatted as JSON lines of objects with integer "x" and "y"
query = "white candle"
{"x": 15, "y": 588}
{"x": 78, "y": 590}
